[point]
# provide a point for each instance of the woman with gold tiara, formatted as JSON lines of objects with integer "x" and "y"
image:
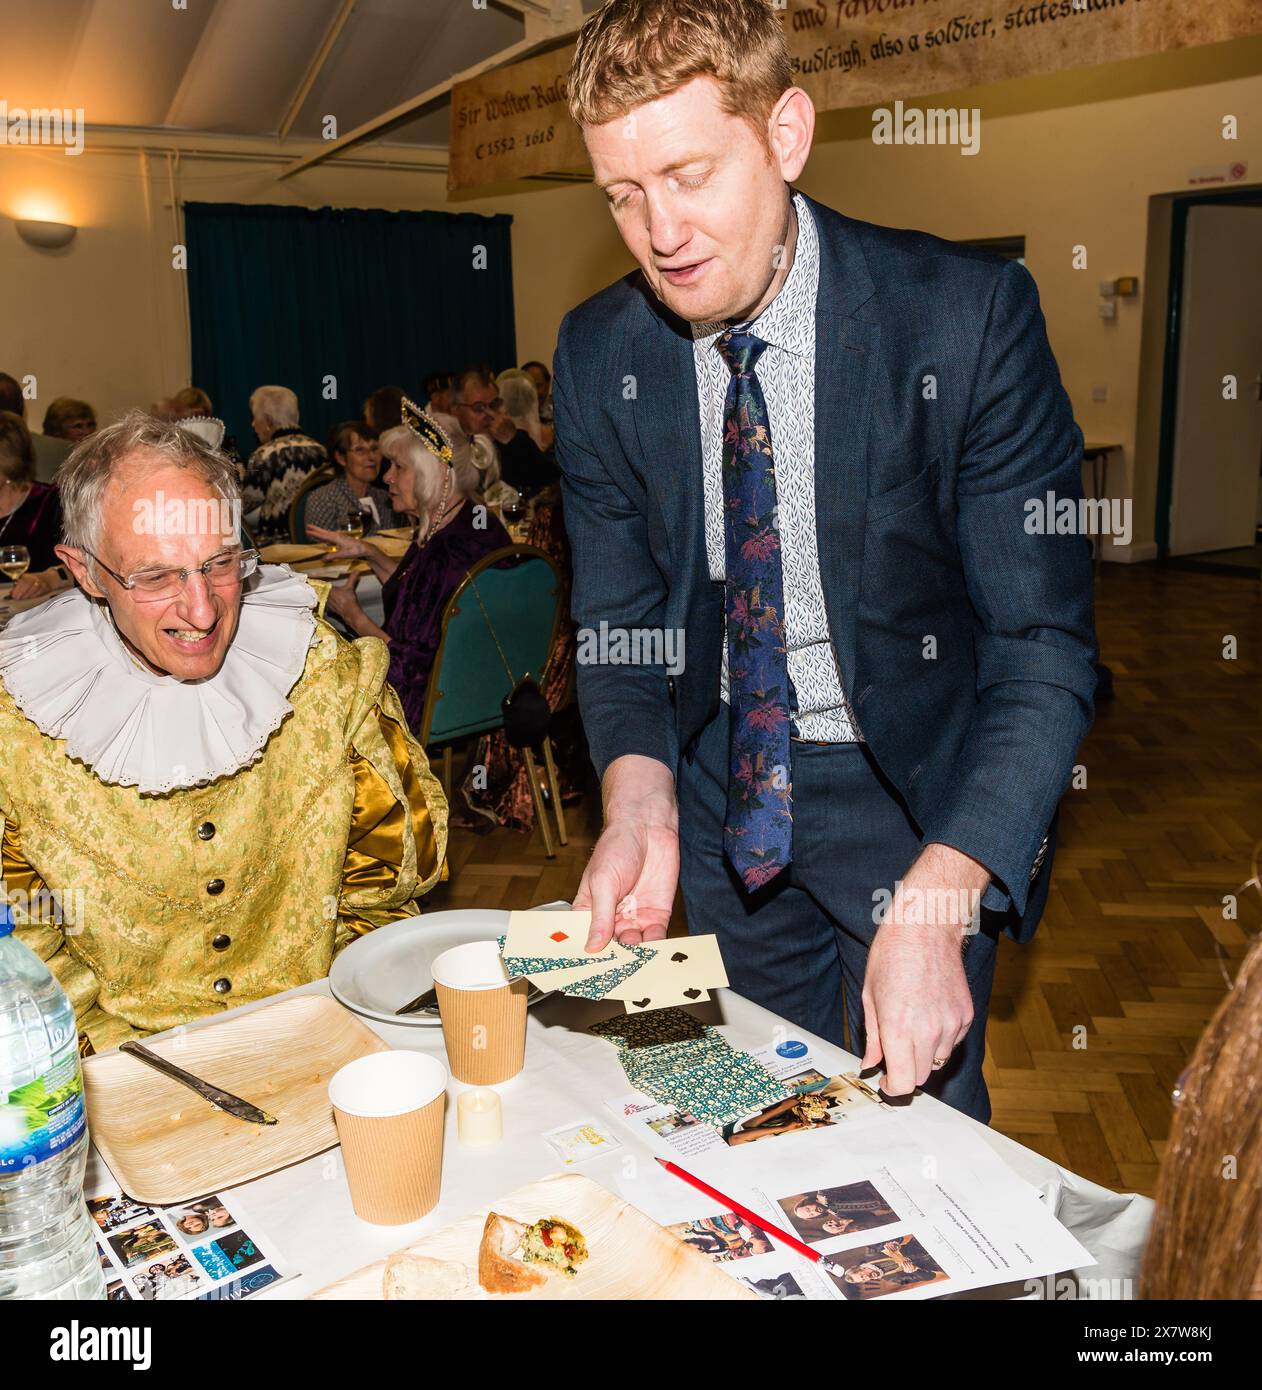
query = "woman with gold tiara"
{"x": 434, "y": 479}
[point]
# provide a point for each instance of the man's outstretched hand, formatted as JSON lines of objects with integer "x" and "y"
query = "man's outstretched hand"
{"x": 630, "y": 880}
{"x": 916, "y": 1003}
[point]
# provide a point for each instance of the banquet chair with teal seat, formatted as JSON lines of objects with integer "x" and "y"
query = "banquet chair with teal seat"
{"x": 500, "y": 626}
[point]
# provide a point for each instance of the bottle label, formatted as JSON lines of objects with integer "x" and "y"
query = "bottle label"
{"x": 40, "y": 1119}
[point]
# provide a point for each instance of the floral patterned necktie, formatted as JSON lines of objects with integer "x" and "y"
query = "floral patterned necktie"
{"x": 758, "y": 828}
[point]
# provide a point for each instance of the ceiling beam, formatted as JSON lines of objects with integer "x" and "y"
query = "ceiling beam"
{"x": 408, "y": 110}
{"x": 315, "y": 67}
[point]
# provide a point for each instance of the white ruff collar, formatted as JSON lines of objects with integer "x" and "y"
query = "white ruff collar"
{"x": 68, "y": 671}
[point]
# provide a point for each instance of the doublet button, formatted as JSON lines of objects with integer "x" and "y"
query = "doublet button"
{"x": 221, "y": 942}
{"x": 223, "y": 986}
{"x": 215, "y": 887}
{"x": 206, "y": 830}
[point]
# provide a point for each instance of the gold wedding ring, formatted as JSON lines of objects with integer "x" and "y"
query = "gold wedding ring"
{"x": 940, "y": 1062}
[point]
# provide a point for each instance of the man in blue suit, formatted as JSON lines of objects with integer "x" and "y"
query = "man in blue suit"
{"x": 808, "y": 446}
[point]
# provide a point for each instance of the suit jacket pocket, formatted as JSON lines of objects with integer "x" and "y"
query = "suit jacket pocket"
{"x": 905, "y": 494}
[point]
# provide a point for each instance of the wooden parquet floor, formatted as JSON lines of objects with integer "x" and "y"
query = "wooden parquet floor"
{"x": 1092, "y": 1022}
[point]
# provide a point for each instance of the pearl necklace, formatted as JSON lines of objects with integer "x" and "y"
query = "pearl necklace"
{"x": 440, "y": 512}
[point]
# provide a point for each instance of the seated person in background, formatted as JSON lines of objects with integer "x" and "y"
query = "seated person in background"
{"x": 285, "y": 456}
{"x": 192, "y": 403}
{"x": 49, "y": 453}
{"x": 30, "y": 512}
{"x": 70, "y": 420}
{"x": 433, "y": 480}
{"x": 1206, "y": 1235}
{"x": 383, "y": 409}
{"x": 477, "y": 404}
{"x": 353, "y": 445}
{"x": 216, "y": 791}
{"x": 438, "y": 389}
{"x": 542, "y": 378}
{"x": 514, "y": 426}
{"x": 521, "y": 404}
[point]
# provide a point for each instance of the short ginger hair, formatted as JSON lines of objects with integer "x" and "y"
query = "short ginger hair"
{"x": 635, "y": 51}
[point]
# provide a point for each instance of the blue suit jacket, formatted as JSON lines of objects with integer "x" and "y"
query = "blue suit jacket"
{"x": 939, "y": 413}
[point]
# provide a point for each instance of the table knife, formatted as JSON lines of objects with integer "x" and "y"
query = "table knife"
{"x": 427, "y": 1003}
{"x": 220, "y": 1099}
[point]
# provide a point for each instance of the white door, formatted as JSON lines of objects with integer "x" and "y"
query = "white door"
{"x": 1218, "y": 442}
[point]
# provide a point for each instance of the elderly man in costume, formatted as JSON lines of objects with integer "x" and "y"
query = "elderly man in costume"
{"x": 187, "y": 749}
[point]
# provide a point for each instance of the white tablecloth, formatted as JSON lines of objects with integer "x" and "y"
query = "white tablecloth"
{"x": 304, "y": 1212}
{"x": 368, "y": 591}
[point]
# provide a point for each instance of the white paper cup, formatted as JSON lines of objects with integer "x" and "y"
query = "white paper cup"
{"x": 483, "y": 1014}
{"x": 389, "y": 1112}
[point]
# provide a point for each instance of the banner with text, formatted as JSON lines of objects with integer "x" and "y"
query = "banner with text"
{"x": 513, "y": 122}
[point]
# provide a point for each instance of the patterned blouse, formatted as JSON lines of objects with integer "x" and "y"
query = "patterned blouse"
{"x": 327, "y": 507}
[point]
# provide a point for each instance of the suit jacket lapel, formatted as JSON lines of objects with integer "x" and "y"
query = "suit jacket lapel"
{"x": 845, "y": 357}
{"x": 668, "y": 424}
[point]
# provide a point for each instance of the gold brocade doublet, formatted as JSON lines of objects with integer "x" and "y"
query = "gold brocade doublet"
{"x": 197, "y": 900}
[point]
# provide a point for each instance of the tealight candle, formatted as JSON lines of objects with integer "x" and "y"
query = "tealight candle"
{"x": 479, "y": 1118}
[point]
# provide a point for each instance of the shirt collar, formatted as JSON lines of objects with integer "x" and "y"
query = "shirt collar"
{"x": 794, "y": 299}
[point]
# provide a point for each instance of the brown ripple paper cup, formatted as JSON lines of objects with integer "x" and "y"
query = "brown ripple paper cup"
{"x": 483, "y": 1014}
{"x": 389, "y": 1112}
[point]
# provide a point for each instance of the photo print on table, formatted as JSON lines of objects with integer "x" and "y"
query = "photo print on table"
{"x": 826, "y": 1212}
{"x": 722, "y": 1237}
{"x": 780, "y": 1287}
{"x": 143, "y": 1244}
{"x": 114, "y": 1211}
{"x": 673, "y": 1123}
{"x": 206, "y": 1216}
{"x": 871, "y": 1271}
{"x": 164, "y": 1280}
{"x": 814, "y": 1106}
{"x": 250, "y": 1283}
{"x": 228, "y": 1254}
{"x": 803, "y": 1079}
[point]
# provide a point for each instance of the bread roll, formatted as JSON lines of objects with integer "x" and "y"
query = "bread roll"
{"x": 418, "y": 1276}
{"x": 497, "y": 1271}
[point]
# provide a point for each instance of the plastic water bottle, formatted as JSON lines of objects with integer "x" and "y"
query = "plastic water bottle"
{"x": 47, "y": 1239}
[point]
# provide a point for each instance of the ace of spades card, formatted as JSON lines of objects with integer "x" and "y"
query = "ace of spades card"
{"x": 682, "y": 971}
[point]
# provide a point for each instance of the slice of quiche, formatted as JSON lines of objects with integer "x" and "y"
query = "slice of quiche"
{"x": 515, "y": 1258}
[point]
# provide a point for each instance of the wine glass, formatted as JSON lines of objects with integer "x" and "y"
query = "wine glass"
{"x": 15, "y": 560}
{"x": 512, "y": 513}
{"x": 354, "y": 523}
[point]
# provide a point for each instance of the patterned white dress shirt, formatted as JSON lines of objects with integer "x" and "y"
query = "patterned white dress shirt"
{"x": 786, "y": 372}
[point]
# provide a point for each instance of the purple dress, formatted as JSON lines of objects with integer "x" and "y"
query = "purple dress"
{"x": 417, "y": 592}
{"x": 36, "y": 524}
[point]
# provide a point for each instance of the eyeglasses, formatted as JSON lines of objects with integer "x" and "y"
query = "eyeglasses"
{"x": 221, "y": 571}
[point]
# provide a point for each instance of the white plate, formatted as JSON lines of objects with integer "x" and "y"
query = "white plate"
{"x": 390, "y": 966}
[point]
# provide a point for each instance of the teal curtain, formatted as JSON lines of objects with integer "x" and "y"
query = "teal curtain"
{"x": 291, "y": 296}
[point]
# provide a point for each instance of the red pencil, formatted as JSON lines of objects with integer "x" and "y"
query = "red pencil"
{"x": 759, "y": 1223}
